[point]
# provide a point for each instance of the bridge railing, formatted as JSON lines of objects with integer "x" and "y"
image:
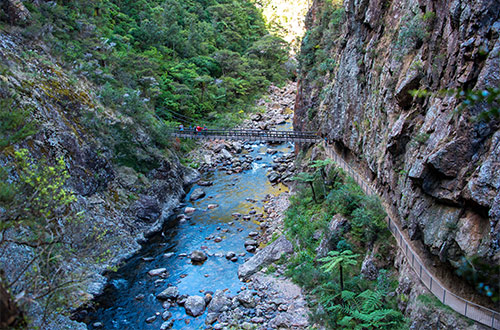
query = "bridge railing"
{"x": 248, "y": 134}
{"x": 462, "y": 306}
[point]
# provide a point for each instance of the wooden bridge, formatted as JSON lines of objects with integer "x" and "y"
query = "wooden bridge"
{"x": 248, "y": 135}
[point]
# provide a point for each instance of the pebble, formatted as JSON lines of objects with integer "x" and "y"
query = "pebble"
{"x": 217, "y": 239}
{"x": 139, "y": 297}
{"x": 151, "y": 319}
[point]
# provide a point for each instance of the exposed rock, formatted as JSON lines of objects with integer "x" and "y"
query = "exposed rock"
{"x": 198, "y": 256}
{"x": 16, "y": 12}
{"x": 219, "y": 302}
{"x": 198, "y": 193}
{"x": 167, "y": 325}
{"x": 189, "y": 210}
{"x": 246, "y": 299}
{"x": 264, "y": 257}
{"x": 147, "y": 208}
{"x": 194, "y": 305}
{"x": 273, "y": 176}
{"x": 157, "y": 271}
{"x": 170, "y": 293}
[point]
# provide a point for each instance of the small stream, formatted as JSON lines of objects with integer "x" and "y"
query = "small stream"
{"x": 118, "y": 308}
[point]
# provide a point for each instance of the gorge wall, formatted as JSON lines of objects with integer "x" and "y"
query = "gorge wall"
{"x": 123, "y": 204}
{"x": 434, "y": 160}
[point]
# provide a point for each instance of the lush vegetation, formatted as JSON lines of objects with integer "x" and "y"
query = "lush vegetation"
{"x": 47, "y": 224}
{"x": 341, "y": 296}
{"x": 180, "y": 60}
{"x": 320, "y": 40}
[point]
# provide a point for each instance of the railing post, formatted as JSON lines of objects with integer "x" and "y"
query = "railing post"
{"x": 431, "y": 283}
{"x": 420, "y": 271}
{"x": 466, "y": 303}
{"x": 444, "y": 295}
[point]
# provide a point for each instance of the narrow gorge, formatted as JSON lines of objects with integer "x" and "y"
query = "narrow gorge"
{"x": 121, "y": 208}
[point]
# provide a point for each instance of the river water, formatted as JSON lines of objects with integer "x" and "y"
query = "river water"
{"x": 241, "y": 193}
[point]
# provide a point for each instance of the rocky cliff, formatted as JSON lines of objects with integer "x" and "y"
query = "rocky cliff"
{"x": 71, "y": 123}
{"x": 435, "y": 160}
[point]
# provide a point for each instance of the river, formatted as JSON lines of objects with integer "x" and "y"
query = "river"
{"x": 244, "y": 193}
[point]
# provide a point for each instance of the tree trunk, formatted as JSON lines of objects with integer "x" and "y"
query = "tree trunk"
{"x": 341, "y": 277}
{"x": 313, "y": 192}
{"x": 10, "y": 315}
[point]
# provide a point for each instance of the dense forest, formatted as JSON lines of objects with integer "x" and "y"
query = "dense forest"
{"x": 88, "y": 90}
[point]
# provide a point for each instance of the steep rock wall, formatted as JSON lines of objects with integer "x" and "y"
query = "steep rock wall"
{"x": 433, "y": 160}
{"x": 72, "y": 124}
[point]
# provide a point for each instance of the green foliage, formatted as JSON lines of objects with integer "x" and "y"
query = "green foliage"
{"x": 181, "y": 60}
{"x": 331, "y": 279}
{"x": 483, "y": 103}
{"x": 39, "y": 213}
{"x": 412, "y": 32}
{"x": 335, "y": 258}
{"x": 366, "y": 311}
{"x": 15, "y": 124}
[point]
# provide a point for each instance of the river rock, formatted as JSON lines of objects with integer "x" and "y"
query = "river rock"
{"x": 189, "y": 210}
{"x": 212, "y": 206}
{"x": 265, "y": 257}
{"x": 230, "y": 255}
{"x": 167, "y": 325}
{"x": 205, "y": 183}
{"x": 251, "y": 242}
{"x": 166, "y": 315}
{"x": 194, "y": 305}
{"x": 171, "y": 292}
{"x": 273, "y": 176}
{"x": 157, "y": 271}
{"x": 219, "y": 302}
{"x": 211, "y": 318}
{"x": 198, "y": 256}
{"x": 246, "y": 299}
{"x": 197, "y": 194}
{"x": 151, "y": 319}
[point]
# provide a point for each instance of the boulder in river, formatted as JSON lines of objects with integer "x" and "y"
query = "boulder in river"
{"x": 157, "y": 271}
{"x": 195, "y": 305}
{"x": 169, "y": 293}
{"x": 273, "y": 176}
{"x": 189, "y": 210}
{"x": 197, "y": 194}
{"x": 198, "y": 256}
{"x": 219, "y": 302}
{"x": 265, "y": 257}
{"x": 167, "y": 325}
{"x": 204, "y": 183}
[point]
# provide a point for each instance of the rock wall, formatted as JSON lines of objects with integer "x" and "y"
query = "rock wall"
{"x": 434, "y": 160}
{"x": 72, "y": 124}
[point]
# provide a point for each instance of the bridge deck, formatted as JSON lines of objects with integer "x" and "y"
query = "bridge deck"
{"x": 249, "y": 135}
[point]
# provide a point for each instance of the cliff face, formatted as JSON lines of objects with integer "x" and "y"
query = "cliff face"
{"x": 435, "y": 161}
{"x": 124, "y": 203}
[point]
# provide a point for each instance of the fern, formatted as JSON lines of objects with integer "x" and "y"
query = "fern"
{"x": 364, "y": 311}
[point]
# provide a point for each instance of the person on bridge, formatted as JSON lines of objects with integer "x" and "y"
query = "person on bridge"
{"x": 198, "y": 129}
{"x": 181, "y": 127}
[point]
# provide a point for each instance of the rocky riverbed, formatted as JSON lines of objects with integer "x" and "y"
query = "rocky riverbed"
{"x": 214, "y": 266}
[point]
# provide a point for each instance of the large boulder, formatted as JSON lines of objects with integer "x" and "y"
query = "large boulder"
{"x": 16, "y": 12}
{"x": 146, "y": 208}
{"x": 170, "y": 293}
{"x": 197, "y": 194}
{"x": 195, "y": 305}
{"x": 219, "y": 302}
{"x": 265, "y": 257}
{"x": 198, "y": 256}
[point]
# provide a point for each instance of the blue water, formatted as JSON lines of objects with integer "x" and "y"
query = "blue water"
{"x": 117, "y": 308}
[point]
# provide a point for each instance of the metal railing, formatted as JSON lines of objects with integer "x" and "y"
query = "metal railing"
{"x": 248, "y": 135}
{"x": 462, "y": 306}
